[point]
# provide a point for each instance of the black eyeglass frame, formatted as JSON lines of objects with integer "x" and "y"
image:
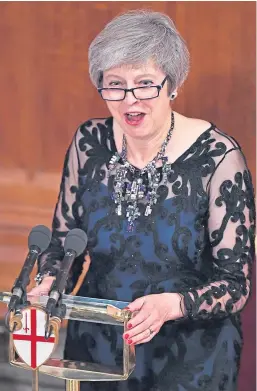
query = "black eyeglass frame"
{"x": 125, "y": 90}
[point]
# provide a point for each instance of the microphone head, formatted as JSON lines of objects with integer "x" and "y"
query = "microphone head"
{"x": 75, "y": 240}
{"x": 40, "y": 236}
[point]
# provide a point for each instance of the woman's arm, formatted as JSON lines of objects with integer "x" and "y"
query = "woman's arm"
{"x": 231, "y": 228}
{"x": 66, "y": 217}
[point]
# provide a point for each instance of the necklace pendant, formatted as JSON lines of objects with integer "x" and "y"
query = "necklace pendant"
{"x": 140, "y": 189}
{"x": 132, "y": 214}
{"x": 141, "y": 192}
{"x": 128, "y": 191}
{"x": 134, "y": 190}
{"x": 148, "y": 210}
{"x": 113, "y": 161}
{"x": 119, "y": 210}
{"x": 165, "y": 170}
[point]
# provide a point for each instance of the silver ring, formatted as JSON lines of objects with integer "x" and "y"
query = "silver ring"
{"x": 151, "y": 331}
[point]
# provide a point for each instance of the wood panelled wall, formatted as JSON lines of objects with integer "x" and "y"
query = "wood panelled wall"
{"x": 45, "y": 93}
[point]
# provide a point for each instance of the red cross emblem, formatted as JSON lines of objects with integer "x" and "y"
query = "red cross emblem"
{"x": 29, "y": 342}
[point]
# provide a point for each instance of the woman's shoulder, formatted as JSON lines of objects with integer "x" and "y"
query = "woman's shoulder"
{"x": 94, "y": 138}
{"x": 200, "y": 138}
{"x": 204, "y": 130}
{"x": 95, "y": 123}
{"x": 93, "y": 130}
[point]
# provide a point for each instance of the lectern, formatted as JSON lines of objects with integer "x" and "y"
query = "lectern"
{"x": 30, "y": 349}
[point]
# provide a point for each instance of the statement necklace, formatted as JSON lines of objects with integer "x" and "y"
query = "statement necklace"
{"x": 144, "y": 183}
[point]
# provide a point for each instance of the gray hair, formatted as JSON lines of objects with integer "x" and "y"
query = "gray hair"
{"x": 134, "y": 38}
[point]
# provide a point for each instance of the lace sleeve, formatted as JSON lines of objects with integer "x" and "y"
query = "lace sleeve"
{"x": 66, "y": 215}
{"x": 231, "y": 227}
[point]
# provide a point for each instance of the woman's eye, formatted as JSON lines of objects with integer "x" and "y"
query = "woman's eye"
{"x": 114, "y": 83}
{"x": 146, "y": 82}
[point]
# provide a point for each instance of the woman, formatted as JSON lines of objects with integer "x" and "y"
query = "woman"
{"x": 168, "y": 207}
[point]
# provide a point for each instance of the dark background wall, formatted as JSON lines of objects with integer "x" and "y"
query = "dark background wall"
{"x": 45, "y": 93}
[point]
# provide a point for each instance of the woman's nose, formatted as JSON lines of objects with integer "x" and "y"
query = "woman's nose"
{"x": 129, "y": 98}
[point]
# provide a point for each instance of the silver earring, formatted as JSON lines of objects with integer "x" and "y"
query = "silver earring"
{"x": 173, "y": 95}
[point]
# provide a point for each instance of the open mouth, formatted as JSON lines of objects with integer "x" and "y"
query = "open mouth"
{"x": 134, "y": 118}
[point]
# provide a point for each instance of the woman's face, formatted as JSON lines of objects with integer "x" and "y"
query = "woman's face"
{"x": 138, "y": 118}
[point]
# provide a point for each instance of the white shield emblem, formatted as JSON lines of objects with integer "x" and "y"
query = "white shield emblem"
{"x": 29, "y": 342}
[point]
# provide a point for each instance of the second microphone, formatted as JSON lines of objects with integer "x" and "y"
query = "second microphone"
{"x": 74, "y": 245}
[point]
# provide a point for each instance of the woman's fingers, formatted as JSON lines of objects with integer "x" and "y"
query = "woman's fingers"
{"x": 139, "y": 328}
{"x": 136, "y": 304}
{"x": 143, "y": 326}
{"x": 40, "y": 290}
{"x": 144, "y": 336}
{"x": 145, "y": 339}
{"x": 138, "y": 318}
{"x": 35, "y": 293}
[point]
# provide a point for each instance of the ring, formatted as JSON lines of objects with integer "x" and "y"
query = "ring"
{"x": 151, "y": 331}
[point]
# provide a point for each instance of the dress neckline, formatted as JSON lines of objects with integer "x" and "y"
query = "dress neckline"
{"x": 181, "y": 157}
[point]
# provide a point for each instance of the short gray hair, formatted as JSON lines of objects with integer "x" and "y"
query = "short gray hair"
{"x": 134, "y": 38}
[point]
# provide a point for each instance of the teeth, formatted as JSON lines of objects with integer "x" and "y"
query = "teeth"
{"x": 134, "y": 114}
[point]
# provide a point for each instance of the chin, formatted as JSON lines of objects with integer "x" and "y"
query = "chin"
{"x": 139, "y": 133}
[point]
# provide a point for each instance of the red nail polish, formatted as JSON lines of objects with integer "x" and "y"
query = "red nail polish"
{"x": 129, "y": 326}
{"x": 126, "y": 336}
{"x": 130, "y": 341}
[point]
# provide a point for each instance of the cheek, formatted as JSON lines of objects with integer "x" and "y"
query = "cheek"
{"x": 165, "y": 107}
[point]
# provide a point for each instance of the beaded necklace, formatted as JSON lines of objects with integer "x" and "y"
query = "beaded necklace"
{"x": 144, "y": 184}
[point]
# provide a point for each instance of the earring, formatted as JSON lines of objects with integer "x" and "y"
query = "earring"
{"x": 173, "y": 95}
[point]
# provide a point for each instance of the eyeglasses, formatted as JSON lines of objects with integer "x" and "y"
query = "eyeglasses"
{"x": 141, "y": 93}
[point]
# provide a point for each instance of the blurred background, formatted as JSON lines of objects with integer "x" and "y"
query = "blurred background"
{"x": 45, "y": 93}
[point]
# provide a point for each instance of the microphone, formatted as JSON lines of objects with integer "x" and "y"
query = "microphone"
{"x": 74, "y": 245}
{"x": 38, "y": 241}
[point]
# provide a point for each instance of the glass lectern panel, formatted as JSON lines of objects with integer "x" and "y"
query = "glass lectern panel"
{"x": 82, "y": 309}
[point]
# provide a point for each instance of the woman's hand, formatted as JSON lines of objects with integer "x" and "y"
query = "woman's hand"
{"x": 41, "y": 290}
{"x": 149, "y": 314}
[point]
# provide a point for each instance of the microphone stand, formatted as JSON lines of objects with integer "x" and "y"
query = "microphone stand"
{"x": 35, "y": 380}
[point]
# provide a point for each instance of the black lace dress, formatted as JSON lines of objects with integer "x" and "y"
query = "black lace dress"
{"x": 199, "y": 241}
